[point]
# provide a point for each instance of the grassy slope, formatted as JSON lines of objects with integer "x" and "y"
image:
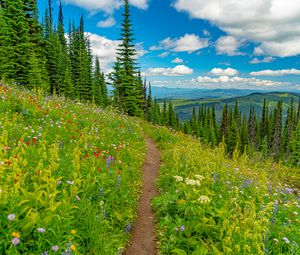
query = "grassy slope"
{"x": 237, "y": 207}
{"x": 56, "y": 173}
{"x": 185, "y": 107}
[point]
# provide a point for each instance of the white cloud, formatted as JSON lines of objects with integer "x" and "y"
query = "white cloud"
{"x": 282, "y": 72}
{"x": 141, "y": 4}
{"x": 107, "y": 6}
{"x": 179, "y": 70}
{"x": 274, "y": 24}
{"x": 109, "y": 22}
{"x": 164, "y": 54}
{"x": 236, "y": 80}
{"x": 224, "y": 72}
{"x": 187, "y": 43}
{"x": 263, "y": 60}
{"x": 105, "y": 49}
{"x": 258, "y": 51}
{"x": 177, "y": 60}
{"x": 140, "y": 50}
{"x": 229, "y": 45}
{"x": 226, "y": 82}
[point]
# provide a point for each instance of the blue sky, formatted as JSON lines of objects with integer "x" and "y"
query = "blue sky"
{"x": 200, "y": 43}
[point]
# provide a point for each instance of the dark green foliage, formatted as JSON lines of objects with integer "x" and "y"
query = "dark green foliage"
{"x": 129, "y": 89}
{"x": 240, "y": 134}
{"x": 99, "y": 86}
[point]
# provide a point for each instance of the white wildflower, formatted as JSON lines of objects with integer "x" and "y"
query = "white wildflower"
{"x": 204, "y": 199}
{"x": 286, "y": 240}
{"x": 178, "y": 178}
{"x": 199, "y": 177}
{"x": 192, "y": 182}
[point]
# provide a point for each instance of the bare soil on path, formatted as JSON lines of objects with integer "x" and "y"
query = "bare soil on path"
{"x": 143, "y": 239}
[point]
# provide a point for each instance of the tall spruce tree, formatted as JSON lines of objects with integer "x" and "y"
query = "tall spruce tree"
{"x": 128, "y": 89}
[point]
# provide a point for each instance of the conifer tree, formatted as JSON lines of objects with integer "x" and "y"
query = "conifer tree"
{"x": 15, "y": 46}
{"x": 276, "y": 131}
{"x": 294, "y": 145}
{"x": 252, "y": 129}
{"x": 224, "y": 123}
{"x": 171, "y": 115}
{"x": 128, "y": 91}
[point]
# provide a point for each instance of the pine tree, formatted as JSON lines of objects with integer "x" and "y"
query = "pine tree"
{"x": 194, "y": 121}
{"x": 252, "y": 129}
{"x": 224, "y": 123}
{"x": 276, "y": 131}
{"x": 99, "y": 86}
{"x": 15, "y": 45}
{"x": 294, "y": 146}
{"x": 128, "y": 91}
{"x": 171, "y": 116}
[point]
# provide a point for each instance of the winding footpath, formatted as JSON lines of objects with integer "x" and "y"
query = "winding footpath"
{"x": 143, "y": 239}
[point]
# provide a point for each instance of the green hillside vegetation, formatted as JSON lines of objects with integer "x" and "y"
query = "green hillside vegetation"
{"x": 184, "y": 108}
{"x": 69, "y": 175}
{"x": 71, "y": 155}
{"x": 209, "y": 204}
{"x": 70, "y": 179}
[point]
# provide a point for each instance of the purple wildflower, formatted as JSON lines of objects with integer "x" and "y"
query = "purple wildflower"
{"x": 41, "y": 230}
{"x": 15, "y": 241}
{"x": 11, "y": 217}
{"x": 55, "y": 248}
{"x": 128, "y": 228}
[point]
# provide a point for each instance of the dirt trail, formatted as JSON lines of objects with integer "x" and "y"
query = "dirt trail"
{"x": 143, "y": 239}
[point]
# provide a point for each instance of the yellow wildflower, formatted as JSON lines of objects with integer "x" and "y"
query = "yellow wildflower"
{"x": 16, "y": 234}
{"x": 73, "y": 247}
{"x": 73, "y": 232}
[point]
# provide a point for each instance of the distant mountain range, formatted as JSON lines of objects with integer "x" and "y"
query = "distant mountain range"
{"x": 184, "y": 93}
{"x": 184, "y": 107}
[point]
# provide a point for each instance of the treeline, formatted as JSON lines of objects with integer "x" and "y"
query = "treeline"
{"x": 41, "y": 56}
{"x": 270, "y": 134}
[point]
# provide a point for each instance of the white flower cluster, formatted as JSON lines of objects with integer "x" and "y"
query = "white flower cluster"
{"x": 204, "y": 199}
{"x": 192, "y": 182}
{"x": 199, "y": 177}
{"x": 178, "y": 178}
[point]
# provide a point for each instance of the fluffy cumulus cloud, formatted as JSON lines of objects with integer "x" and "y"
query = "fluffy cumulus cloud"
{"x": 187, "y": 43}
{"x": 179, "y": 70}
{"x": 107, "y": 6}
{"x": 177, "y": 60}
{"x": 236, "y": 81}
{"x": 226, "y": 82}
{"x": 105, "y": 49}
{"x": 274, "y": 24}
{"x": 229, "y": 45}
{"x": 224, "y": 72}
{"x": 282, "y": 72}
{"x": 109, "y": 22}
{"x": 263, "y": 60}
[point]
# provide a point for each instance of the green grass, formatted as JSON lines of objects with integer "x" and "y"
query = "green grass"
{"x": 70, "y": 169}
{"x": 209, "y": 204}
{"x": 70, "y": 179}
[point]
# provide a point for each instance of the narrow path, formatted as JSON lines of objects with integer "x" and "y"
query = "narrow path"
{"x": 143, "y": 239}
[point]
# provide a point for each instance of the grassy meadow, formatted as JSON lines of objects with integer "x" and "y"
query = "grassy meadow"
{"x": 69, "y": 176}
{"x": 70, "y": 180}
{"x": 209, "y": 204}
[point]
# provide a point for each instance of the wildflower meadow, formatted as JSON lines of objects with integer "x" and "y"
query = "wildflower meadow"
{"x": 209, "y": 204}
{"x": 69, "y": 176}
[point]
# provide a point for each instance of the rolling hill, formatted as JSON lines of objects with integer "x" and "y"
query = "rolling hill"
{"x": 185, "y": 107}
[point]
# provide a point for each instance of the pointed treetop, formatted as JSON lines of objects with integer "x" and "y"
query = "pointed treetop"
{"x": 60, "y": 14}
